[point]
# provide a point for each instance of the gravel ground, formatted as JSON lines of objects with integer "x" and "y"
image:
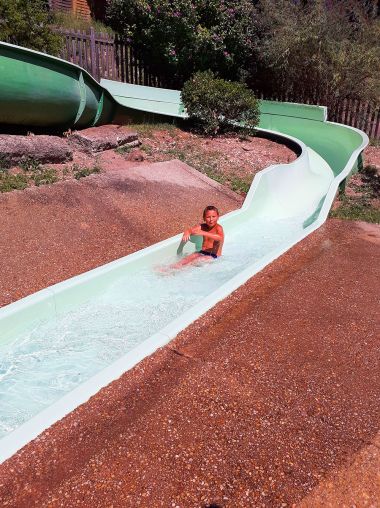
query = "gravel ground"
{"x": 271, "y": 394}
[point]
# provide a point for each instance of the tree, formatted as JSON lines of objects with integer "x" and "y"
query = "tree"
{"x": 323, "y": 51}
{"x": 27, "y": 23}
{"x": 179, "y": 38}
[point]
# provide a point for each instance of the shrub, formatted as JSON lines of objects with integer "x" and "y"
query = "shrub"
{"x": 219, "y": 105}
{"x": 182, "y": 37}
{"x": 27, "y": 23}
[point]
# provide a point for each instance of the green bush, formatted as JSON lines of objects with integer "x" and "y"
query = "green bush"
{"x": 219, "y": 105}
{"x": 27, "y": 23}
{"x": 182, "y": 37}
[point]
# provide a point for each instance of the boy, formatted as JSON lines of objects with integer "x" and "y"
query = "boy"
{"x": 213, "y": 238}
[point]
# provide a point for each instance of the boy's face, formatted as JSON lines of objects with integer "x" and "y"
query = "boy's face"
{"x": 211, "y": 218}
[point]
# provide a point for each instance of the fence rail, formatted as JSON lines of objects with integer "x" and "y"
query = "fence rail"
{"x": 106, "y": 56}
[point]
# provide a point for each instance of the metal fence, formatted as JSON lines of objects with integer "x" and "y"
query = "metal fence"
{"x": 106, "y": 56}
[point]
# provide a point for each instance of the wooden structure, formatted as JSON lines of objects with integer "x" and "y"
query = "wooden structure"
{"x": 81, "y": 8}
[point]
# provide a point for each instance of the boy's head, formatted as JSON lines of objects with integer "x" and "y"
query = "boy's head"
{"x": 211, "y": 216}
{"x": 210, "y": 208}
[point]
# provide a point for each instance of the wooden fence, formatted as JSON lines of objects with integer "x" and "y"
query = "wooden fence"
{"x": 105, "y": 56}
{"x": 358, "y": 114}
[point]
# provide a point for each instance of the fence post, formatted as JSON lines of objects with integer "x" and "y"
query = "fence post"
{"x": 93, "y": 52}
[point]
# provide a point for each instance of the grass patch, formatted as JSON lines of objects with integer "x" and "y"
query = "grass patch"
{"x": 361, "y": 206}
{"x": 45, "y": 177}
{"x": 147, "y": 149}
{"x": 207, "y": 164}
{"x": 29, "y": 164}
{"x": 374, "y": 142}
{"x": 37, "y": 173}
{"x": 240, "y": 185}
{"x": 176, "y": 153}
{"x": 82, "y": 172}
{"x": 122, "y": 150}
{"x": 9, "y": 182}
{"x": 148, "y": 129}
{"x": 351, "y": 209}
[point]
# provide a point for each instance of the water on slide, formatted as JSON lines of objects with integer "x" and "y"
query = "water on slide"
{"x": 54, "y": 357}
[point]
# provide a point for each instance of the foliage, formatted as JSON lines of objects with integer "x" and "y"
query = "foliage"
{"x": 71, "y": 21}
{"x": 220, "y": 105}
{"x": 45, "y": 177}
{"x": 5, "y": 162}
{"x": 10, "y": 182}
{"x": 318, "y": 50}
{"x": 179, "y": 38}
{"x": 29, "y": 164}
{"x": 362, "y": 203}
{"x": 81, "y": 172}
{"x": 27, "y": 23}
{"x": 39, "y": 175}
{"x": 356, "y": 210}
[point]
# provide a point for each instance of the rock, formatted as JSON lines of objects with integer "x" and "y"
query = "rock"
{"x": 104, "y": 137}
{"x": 135, "y": 156}
{"x": 43, "y": 149}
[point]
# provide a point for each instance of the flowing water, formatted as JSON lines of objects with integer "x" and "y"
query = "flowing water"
{"x": 54, "y": 357}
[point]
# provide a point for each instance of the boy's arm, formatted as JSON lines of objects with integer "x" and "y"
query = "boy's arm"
{"x": 219, "y": 236}
{"x": 190, "y": 231}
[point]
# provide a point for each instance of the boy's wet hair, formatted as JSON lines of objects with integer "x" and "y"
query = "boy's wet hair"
{"x": 208, "y": 208}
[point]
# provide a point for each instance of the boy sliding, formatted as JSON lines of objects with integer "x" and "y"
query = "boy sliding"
{"x": 213, "y": 238}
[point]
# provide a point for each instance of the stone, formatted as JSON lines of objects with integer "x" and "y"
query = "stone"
{"x": 41, "y": 148}
{"x": 104, "y": 137}
{"x": 135, "y": 156}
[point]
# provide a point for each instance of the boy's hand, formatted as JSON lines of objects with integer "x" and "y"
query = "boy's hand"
{"x": 186, "y": 235}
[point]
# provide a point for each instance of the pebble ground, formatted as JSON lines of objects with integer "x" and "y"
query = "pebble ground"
{"x": 269, "y": 400}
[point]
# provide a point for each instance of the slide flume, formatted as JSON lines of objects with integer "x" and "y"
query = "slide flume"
{"x": 285, "y": 203}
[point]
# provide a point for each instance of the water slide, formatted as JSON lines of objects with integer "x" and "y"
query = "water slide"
{"x": 59, "y": 346}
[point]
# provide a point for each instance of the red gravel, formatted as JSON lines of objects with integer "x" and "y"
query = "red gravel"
{"x": 272, "y": 391}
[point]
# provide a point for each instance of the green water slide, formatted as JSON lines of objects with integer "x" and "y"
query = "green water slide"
{"x": 39, "y": 90}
